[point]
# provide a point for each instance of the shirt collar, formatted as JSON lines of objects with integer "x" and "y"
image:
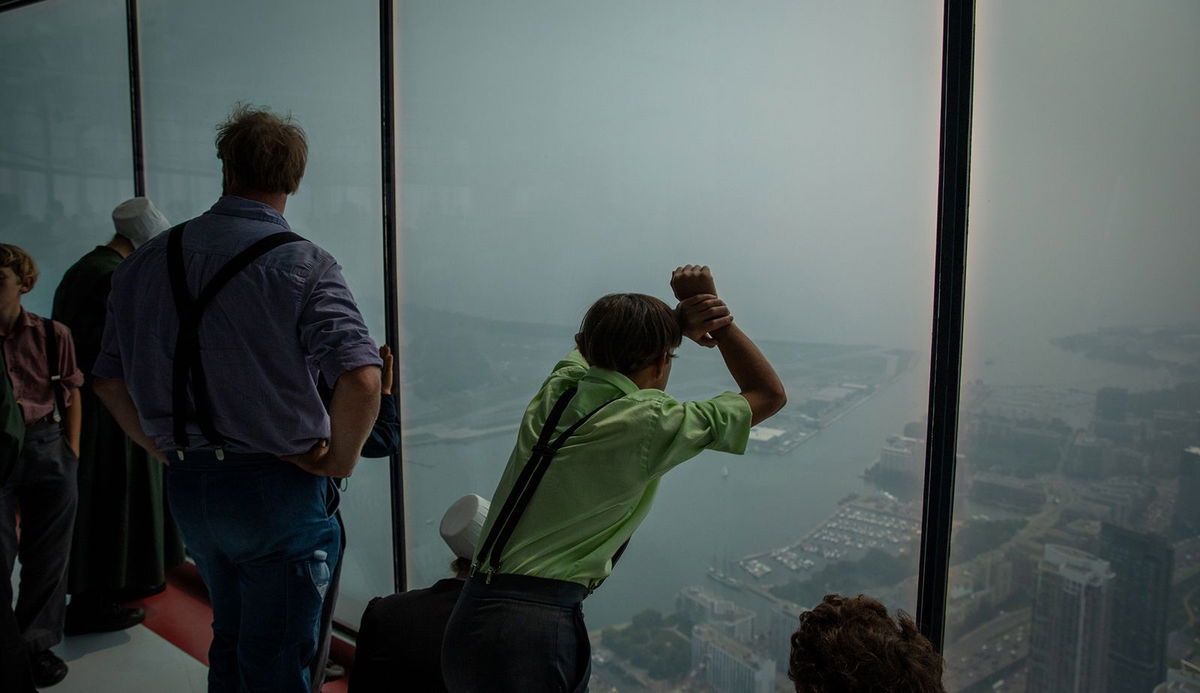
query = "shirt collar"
{"x": 24, "y": 319}
{"x": 28, "y": 319}
{"x": 617, "y": 380}
{"x": 234, "y": 206}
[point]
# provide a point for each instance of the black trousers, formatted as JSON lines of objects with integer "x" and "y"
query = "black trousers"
{"x": 15, "y": 674}
{"x": 515, "y": 635}
{"x": 43, "y": 487}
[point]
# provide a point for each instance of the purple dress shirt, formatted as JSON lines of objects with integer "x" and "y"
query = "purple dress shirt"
{"x": 25, "y": 356}
{"x": 284, "y": 321}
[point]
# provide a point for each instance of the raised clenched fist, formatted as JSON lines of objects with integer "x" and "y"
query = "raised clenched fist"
{"x": 689, "y": 280}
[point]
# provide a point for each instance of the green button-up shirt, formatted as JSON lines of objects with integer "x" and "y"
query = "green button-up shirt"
{"x": 602, "y": 482}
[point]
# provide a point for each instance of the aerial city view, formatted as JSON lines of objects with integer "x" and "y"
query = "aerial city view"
{"x": 1060, "y": 488}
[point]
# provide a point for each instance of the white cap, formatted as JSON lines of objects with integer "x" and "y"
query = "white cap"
{"x": 463, "y": 523}
{"x": 139, "y": 220}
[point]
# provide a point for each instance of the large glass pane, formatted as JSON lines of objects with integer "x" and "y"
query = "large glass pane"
{"x": 554, "y": 152}
{"x": 318, "y": 61}
{"x": 1075, "y": 546}
{"x": 65, "y": 158}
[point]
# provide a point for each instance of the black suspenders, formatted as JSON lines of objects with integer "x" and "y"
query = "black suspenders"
{"x": 187, "y": 367}
{"x": 531, "y": 475}
{"x": 52, "y": 364}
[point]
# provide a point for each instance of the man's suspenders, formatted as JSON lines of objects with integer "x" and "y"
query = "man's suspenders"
{"x": 188, "y": 370}
{"x": 52, "y": 364}
{"x": 531, "y": 475}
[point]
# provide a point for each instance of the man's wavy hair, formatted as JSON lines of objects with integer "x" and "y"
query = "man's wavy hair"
{"x": 850, "y": 644}
{"x": 628, "y": 332}
{"x": 261, "y": 152}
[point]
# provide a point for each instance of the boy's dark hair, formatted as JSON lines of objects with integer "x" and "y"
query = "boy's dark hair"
{"x": 261, "y": 151}
{"x": 851, "y": 644}
{"x": 628, "y": 332}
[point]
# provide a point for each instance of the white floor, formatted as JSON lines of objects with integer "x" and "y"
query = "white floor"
{"x": 135, "y": 660}
{"x": 130, "y": 661}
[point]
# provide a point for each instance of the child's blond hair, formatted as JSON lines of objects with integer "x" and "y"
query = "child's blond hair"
{"x": 20, "y": 262}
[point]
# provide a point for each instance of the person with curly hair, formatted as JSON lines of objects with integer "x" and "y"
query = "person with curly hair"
{"x": 850, "y": 644}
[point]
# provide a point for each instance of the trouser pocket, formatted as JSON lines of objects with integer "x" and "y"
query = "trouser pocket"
{"x": 318, "y": 571}
{"x": 333, "y": 496}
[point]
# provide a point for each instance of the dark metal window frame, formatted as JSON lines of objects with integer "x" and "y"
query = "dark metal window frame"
{"x": 134, "y": 48}
{"x": 954, "y": 169}
{"x": 391, "y": 274}
{"x": 949, "y": 281}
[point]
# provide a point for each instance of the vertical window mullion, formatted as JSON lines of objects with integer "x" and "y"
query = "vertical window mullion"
{"x": 948, "y": 308}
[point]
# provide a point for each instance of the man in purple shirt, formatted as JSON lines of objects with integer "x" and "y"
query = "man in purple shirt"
{"x": 216, "y": 335}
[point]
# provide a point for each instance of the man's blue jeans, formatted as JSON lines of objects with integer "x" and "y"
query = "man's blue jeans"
{"x": 264, "y": 536}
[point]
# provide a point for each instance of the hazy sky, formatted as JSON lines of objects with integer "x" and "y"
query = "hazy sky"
{"x": 1086, "y": 164}
{"x": 554, "y": 152}
{"x": 565, "y": 150}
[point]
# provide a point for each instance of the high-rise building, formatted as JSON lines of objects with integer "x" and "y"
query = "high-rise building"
{"x": 1071, "y": 622}
{"x": 902, "y": 454}
{"x": 1187, "y": 507}
{"x": 1141, "y": 589}
{"x": 704, "y": 608}
{"x": 785, "y": 619}
{"x": 729, "y": 666}
{"x": 1170, "y": 432}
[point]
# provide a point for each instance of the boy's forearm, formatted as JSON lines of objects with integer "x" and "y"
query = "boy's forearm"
{"x": 747, "y": 365}
{"x": 759, "y": 383}
{"x": 74, "y": 421}
{"x": 116, "y": 399}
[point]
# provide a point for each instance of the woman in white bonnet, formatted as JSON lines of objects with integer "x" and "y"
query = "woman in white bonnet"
{"x": 124, "y": 537}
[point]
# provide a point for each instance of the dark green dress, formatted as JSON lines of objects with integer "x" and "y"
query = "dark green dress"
{"x": 124, "y": 535}
{"x": 12, "y": 424}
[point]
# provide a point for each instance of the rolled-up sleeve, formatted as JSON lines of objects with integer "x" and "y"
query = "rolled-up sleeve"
{"x": 332, "y": 330}
{"x": 685, "y": 429}
{"x": 384, "y": 439}
{"x": 108, "y": 360}
{"x": 72, "y": 377}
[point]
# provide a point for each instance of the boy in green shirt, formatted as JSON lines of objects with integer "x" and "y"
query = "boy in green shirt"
{"x": 572, "y": 495}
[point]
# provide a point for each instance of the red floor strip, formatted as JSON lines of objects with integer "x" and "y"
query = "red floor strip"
{"x": 181, "y": 615}
{"x": 181, "y": 618}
